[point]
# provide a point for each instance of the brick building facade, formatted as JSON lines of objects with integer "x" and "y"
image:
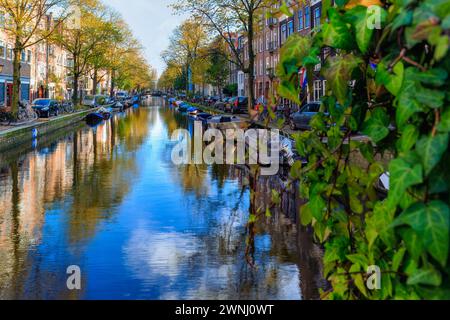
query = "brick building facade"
{"x": 272, "y": 34}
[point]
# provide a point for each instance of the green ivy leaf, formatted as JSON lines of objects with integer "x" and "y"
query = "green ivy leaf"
{"x": 444, "y": 125}
{"x": 409, "y": 138}
{"x": 289, "y": 91}
{"x": 431, "y": 150}
{"x": 440, "y": 7}
{"x": 359, "y": 259}
{"x": 431, "y": 221}
{"x": 436, "y": 77}
{"x": 427, "y": 276}
{"x": 359, "y": 16}
{"x": 316, "y": 203}
{"x": 412, "y": 242}
{"x": 360, "y": 283}
{"x": 338, "y": 72}
{"x": 404, "y": 18}
{"x": 305, "y": 215}
{"x": 285, "y": 9}
{"x": 376, "y": 127}
{"x": 391, "y": 80}
{"x": 403, "y": 176}
{"x": 398, "y": 259}
{"x": 252, "y": 218}
{"x": 294, "y": 50}
{"x": 295, "y": 171}
{"x": 268, "y": 213}
{"x": 406, "y": 107}
{"x": 379, "y": 225}
{"x": 406, "y": 102}
{"x": 441, "y": 48}
{"x": 429, "y": 97}
{"x": 276, "y": 197}
{"x": 336, "y": 33}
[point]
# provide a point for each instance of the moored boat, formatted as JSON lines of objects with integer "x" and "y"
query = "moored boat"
{"x": 193, "y": 111}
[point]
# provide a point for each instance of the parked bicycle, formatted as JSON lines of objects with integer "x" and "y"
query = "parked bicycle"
{"x": 67, "y": 107}
{"x": 26, "y": 112}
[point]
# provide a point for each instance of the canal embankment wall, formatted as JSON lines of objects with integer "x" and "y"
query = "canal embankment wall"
{"x": 17, "y": 136}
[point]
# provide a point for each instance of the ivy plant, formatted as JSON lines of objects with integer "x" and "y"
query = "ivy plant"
{"x": 386, "y": 111}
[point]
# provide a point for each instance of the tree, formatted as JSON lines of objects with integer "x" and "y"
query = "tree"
{"x": 169, "y": 76}
{"x": 29, "y": 22}
{"x": 218, "y": 71}
{"x": 134, "y": 73}
{"x": 96, "y": 24}
{"x": 123, "y": 46}
{"x": 185, "y": 47}
{"x": 231, "y": 89}
{"x": 228, "y": 18}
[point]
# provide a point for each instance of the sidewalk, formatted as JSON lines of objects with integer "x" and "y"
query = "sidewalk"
{"x": 13, "y": 136}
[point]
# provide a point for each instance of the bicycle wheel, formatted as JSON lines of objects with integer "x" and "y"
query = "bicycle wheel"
{"x": 21, "y": 116}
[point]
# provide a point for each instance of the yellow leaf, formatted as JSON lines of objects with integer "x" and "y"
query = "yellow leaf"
{"x": 364, "y": 3}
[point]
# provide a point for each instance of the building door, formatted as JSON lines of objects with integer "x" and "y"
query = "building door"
{"x": 41, "y": 92}
{"x": 9, "y": 91}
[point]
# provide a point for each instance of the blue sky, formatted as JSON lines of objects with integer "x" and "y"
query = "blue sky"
{"x": 152, "y": 22}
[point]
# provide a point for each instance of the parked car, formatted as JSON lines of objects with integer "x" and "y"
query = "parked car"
{"x": 45, "y": 107}
{"x": 212, "y": 100}
{"x": 220, "y": 105}
{"x": 238, "y": 105}
{"x": 301, "y": 119}
{"x": 95, "y": 101}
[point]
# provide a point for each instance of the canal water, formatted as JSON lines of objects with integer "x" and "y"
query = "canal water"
{"x": 110, "y": 201}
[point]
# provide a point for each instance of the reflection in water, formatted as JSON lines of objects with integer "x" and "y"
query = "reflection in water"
{"x": 109, "y": 200}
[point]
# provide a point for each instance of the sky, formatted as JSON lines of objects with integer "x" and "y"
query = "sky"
{"x": 152, "y": 22}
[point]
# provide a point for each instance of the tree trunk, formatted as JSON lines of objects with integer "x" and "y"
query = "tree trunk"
{"x": 95, "y": 82}
{"x": 188, "y": 80}
{"x": 76, "y": 78}
{"x": 113, "y": 82}
{"x": 16, "y": 81}
{"x": 251, "y": 65}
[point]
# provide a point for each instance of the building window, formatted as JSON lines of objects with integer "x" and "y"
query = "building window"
{"x": 290, "y": 27}
{"x": 319, "y": 89}
{"x": 2, "y": 92}
{"x": 317, "y": 17}
{"x": 2, "y": 50}
{"x": 283, "y": 33}
{"x": 307, "y": 17}
{"x": 23, "y": 56}
{"x": 10, "y": 53}
{"x": 29, "y": 56}
{"x": 300, "y": 20}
